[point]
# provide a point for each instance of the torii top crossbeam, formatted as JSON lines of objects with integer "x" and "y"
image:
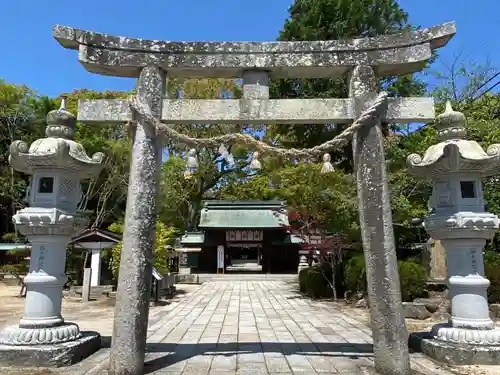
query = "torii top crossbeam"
{"x": 396, "y": 54}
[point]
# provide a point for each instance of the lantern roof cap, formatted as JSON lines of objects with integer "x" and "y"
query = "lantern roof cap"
{"x": 57, "y": 150}
{"x": 454, "y": 153}
{"x": 451, "y": 124}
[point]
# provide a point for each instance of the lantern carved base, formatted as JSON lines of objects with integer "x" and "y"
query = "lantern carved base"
{"x": 50, "y": 355}
{"x": 483, "y": 337}
{"x": 15, "y": 335}
{"x": 457, "y": 354}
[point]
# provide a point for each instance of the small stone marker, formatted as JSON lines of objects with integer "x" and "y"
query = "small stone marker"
{"x": 437, "y": 261}
{"x": 87, "y": 279}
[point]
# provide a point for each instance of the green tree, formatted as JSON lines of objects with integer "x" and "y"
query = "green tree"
{"x": 22, "y": 117}
{"x": 329, "y": 198}
{"x": 165, "y": 238}
{"x": 332, "y": 20}
{"x": 104, "y": 196}
{"x": 178, "y": 195}
{"x": 181, "y": 198}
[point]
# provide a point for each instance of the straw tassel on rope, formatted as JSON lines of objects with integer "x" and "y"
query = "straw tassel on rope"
{"x": 191, "y": 164}
{"x": 327, "y": 164}
{"x": 255, "y": 163}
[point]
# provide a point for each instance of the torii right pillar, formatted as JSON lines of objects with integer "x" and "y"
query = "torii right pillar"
{"x": 455, "y": 166}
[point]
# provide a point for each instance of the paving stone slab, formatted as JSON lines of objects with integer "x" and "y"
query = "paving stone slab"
{"x": 254, "y": 327}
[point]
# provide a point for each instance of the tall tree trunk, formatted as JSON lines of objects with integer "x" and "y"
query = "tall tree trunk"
{"x": 333, "y": 265}
{"x": 334, "y": 290}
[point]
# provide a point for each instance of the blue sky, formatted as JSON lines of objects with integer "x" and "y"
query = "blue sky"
{"x": 29, "y": 54}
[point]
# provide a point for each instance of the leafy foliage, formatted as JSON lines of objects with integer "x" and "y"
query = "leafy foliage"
{"x": 316, "y": 281}
{"x": 412, "y": 275}
{"x": 335, "y": 20}
{"x": 214, "y": 172}
{"x": 355, "y": 275}
{"x": 104, "y": 196}
{"x": 22, "y": 116}
{"x": 492, "y": 272}
{"x": 165, "y": 238}
{"x": 302, "y": 279}
{"x": 413, "y": 279}
{"x": 329, "y": 198}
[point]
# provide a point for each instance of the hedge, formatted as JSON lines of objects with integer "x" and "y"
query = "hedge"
{"x": 303, "y": 278}
{"x": 492, "y": 272}
{"x": 355, "y": 276}
{"x": 315, "y": 281}
{"x": 412, "y": 275}
{"x": 413, "y": 279}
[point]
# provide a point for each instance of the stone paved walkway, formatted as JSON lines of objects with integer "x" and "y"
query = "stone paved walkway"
{"x": 257, "y": 327}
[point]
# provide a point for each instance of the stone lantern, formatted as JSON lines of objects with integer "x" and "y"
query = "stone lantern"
{"x": 57, "y": 165}
{"x": 456, "y": 167}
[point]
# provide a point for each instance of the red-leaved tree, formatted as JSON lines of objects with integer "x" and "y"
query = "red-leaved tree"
{"x": 322, "y": 246}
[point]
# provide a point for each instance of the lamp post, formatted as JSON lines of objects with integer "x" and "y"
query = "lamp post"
{"x": 57, "y": 165}
{"x": 456, "y": 166}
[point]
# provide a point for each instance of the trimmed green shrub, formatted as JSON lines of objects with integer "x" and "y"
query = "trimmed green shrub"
{"x": 326, "y": 269}
{"x": 316, "y": 284}
{"x": 303, "y": 278}
{"x": 492, "y": 272}
{"x": 313, "y": 281}
{"x": 355, "y": 276}
{"x": 412, "y": 276}
{"x": 413, "y": 279}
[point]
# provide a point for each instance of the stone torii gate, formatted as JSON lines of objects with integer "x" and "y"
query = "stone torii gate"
{"x": 150, "y": 61}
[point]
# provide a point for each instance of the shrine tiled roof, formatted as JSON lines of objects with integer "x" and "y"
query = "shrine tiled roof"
{"x": 243, "y": 214}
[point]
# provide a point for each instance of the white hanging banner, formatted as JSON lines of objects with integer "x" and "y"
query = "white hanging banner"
{"x": 220, "y": 256}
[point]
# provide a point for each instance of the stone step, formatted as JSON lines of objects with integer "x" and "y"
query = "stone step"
{"x": 206, "y": 277}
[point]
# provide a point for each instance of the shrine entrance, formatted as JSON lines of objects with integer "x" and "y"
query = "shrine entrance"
{"x": 244, "y": 258}
{"x": 244, "y": 250}
{"x": 253, "y": 236}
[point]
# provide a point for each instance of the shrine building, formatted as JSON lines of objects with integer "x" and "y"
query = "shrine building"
{"x": 240, "y": 236}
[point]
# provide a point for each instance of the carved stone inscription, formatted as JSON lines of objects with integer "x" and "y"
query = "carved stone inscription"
{"x": 41, "y": 258}
{"x": 473, "y": 256}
